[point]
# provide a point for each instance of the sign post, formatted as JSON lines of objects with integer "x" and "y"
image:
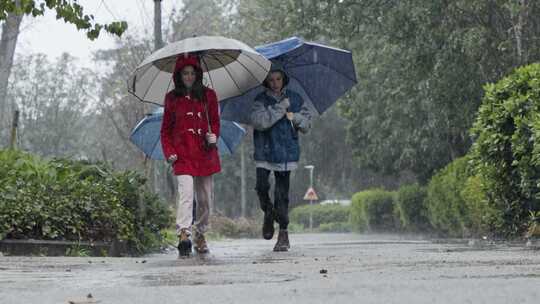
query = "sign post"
{"x": 311, "y": 195}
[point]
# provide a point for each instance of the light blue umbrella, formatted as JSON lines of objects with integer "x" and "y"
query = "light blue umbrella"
{"x": 146, "y": 135}
{"x": 319, "y": 73}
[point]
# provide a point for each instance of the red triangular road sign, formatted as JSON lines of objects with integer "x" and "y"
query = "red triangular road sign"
{"x": 311, "y": 195}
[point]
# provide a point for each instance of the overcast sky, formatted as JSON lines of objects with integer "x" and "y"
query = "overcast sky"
{"x": 53, "y": 37}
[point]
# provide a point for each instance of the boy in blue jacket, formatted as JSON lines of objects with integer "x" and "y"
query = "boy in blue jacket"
{"x": 278, "y": 115}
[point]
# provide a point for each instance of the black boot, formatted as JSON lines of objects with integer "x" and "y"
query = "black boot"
{"x": 286, "y": 239}
{"x": 184, "y": 243}
{"x": 268, "y": 224}
{"x": 282, "y": 241}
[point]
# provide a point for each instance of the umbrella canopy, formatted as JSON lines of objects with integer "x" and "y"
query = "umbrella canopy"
{"x": 319, "y": 73}
{"x": 146, "y": 136}
{"x": 230, "y": 67}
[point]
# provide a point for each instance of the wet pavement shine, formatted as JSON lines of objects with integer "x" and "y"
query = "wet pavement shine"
{"x": 319, "y": 268}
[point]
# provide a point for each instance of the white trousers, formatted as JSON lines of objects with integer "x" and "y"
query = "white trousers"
{"x": 200, "y": 188}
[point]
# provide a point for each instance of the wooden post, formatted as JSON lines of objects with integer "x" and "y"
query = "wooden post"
{"x": 243, "y": 180}
{"x": 14, "y": 125}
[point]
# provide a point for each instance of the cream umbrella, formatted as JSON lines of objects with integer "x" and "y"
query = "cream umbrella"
{"x": 230, "y": 67}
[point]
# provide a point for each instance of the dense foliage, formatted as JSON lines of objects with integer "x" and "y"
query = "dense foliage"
{"x": 374, "y": 210}
{"x": 77, "y": 201}
{"x": 322, "y": 215}
{"x": 507, "y": 146}
{"x": 411, "y": 208}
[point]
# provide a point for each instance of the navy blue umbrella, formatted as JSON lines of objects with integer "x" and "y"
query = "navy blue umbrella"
{"x": 321, "y": 74}
{"x": 146, "y": 135}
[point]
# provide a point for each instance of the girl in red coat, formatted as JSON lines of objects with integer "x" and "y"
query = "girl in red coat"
{"x": 189, "y": 133}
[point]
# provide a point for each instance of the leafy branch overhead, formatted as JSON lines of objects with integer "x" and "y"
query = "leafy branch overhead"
{"x": 69, "y": 11}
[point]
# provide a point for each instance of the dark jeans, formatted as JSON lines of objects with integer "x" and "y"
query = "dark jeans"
{"x": 280, "y": 208}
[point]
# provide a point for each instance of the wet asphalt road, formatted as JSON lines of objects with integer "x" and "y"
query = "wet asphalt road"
{"x": 340, "y": 268}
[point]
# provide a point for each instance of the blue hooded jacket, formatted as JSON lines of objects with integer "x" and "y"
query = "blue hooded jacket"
{"x": 278, "y": 143}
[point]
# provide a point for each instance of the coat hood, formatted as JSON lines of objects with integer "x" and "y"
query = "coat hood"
{"x": 185, "y": 60}
{"x": 276, "y": 67}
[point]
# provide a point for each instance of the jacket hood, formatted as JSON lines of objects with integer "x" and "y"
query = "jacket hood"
{"x": 184, "y": 60}
{"x": 276, "y": 67}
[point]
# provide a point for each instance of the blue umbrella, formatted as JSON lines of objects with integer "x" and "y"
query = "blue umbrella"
{"x": 321, "y": 74}
{"x": 146, "y": 135}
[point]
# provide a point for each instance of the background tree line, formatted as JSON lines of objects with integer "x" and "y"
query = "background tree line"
{"x": 421, "y": 66}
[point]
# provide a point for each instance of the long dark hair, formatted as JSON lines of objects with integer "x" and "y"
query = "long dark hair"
{"x": 197, "y": 90}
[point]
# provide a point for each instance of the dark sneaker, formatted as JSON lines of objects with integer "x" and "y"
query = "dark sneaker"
{"x": 268, "y": 226}
{"x": 200, "y": 245}
{"x": 282, "y": 241}
{"x": 184, "y": 243}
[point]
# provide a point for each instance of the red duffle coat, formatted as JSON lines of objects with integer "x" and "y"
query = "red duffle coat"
{"x": 183, "y": 131}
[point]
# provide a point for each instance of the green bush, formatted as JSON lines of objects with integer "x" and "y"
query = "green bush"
{"x": 296, "y": 228}
{"x": 457, "y": 203}
{"x": 506, "y": 151}
{"x": 322, "y": 214}
{"x": 533, "y": 232}
{"x": 445, "y": 205}
{"x": 358, "y": 217}
{"x": 481, "y": 218}
{"x": 411, "y": 208}
{"x": 373, "y": 210}
{"x": 335, "y": 227}
{"x": 77, "y": 201}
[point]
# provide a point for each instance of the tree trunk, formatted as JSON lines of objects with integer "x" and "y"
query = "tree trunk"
{"x": 518, "y": 31}
{"x": 150, "y": 168}
{"x": 158, "y": 36}
{"x": 8, "y": 42}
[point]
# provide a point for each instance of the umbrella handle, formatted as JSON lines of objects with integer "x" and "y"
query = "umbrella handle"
{"x": 295, "y": 135}
{"x": 206, "y": 112}
{"x": 208, "y": 145}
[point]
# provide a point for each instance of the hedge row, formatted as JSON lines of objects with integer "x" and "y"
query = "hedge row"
{"x": 326, "y": 218}
{"x": 77, "y": 201}
{"x": 454, "y": 203}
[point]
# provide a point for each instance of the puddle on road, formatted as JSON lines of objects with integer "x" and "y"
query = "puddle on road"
{"x": 225, "y": 257}
{"x": 363, "y": 243}
{"x": 460, "y": 249}
{"x": 271, "y": 260}
{"x": 473, "y": 248}
{"x": 192, "y": 274}
{"x": 206, "y": 278}
{"x": 473, "y": 245}
{"x": 494, "y": 276}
